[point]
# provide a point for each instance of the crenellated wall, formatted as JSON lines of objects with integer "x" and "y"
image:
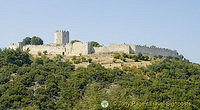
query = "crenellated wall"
{"x": 51, "y": 49}
{"x": 68, "y": 49}
{"x": 78, "y": 47}
{"x": 155, "y": 51}
{"x": 113, "y": 48}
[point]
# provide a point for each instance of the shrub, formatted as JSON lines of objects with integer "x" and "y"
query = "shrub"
{"x": 90, "y": 60}
{"x": 83, "y": 59}
{"x": 129, "y": 56}
{"x": 114, "y": 60}
{"x": 124, "y": 55}
{"x": 124, "y": 59}
{"x": 117, "y": 55}
{"x": 39, "y": 61}
{"x": 135, "y": 58}
{"x": 73, "y": 58}
{"x": 39, "y": 54}
{"x": 146, "y": 58}
{"x": 45, "y": 52}
{"x": 160, "y": 56}
{"x": 77, "y": 61}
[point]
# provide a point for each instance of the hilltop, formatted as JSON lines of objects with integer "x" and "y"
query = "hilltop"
{"x": 29, "y": 82}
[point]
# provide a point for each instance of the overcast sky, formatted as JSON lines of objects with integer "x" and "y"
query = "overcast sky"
{"x": 173, "y": 24}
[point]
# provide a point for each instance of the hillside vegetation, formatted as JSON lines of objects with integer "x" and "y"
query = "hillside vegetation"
{"x": 49, "y": 84}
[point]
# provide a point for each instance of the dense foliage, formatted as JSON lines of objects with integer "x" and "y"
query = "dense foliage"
{"x": 95, "y": 44}
{"x": 46, "y": 84}
{"x": 32, "y": 41}
{"x": 73, "y": 41}
{"x": 26, "y": 41}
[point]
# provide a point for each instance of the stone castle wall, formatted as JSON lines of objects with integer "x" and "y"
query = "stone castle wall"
{"x": 84, "y": 49}
{"x": 63, "y": 47}
{"x": 112, "y": 48}
{"x": 77, "y": 48}
{"x": 69, "y": 49}
{"x": 52, "y": 50}
{"x": 156, "y": 51}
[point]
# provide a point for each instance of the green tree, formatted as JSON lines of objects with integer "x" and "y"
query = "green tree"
{"x": 45, "y": 52}
{"x": 36, "y": 41}
{"x": 90, "y": 60}
{"x": 116, "y": 55}
{"x": 95, "y": 44}
{"x": 26, "y": 41}
{"x": 73, "y": 41}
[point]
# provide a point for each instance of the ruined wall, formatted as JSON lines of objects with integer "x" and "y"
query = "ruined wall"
{"x": 113, "y": 48}
{"x": 15, "y": 46}
{"x": 77, "y": 48}
{"x": 51, "y": 49}
{"x": 155, "y": 51}
{"x": 84, "y": 49}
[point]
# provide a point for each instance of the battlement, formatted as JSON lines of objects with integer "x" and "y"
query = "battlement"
{"x": 61, "y": 37}
{"x": 61, "y": 31}
{"x": 62, "y": 46}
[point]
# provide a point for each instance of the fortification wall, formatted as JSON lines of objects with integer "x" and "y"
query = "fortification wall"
{"x": 113, "y": 48}
{"x": 51, "y": 49}
{"x": 155, "y": 51}
{"x": 13, "y": 46}
{"x": 77, "y": 48}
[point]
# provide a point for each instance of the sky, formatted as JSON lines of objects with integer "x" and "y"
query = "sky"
{"x": 173, "y": 24}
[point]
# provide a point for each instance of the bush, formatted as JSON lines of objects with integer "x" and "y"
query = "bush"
{"x": 77, "y": 61}
{"x": 124, "y": 59}
{"x": 45, "y": 52}
{"x": 90, "y": 60}
{"x": 135, "y": 58}
{"x": 39, "y": 61}
{"x": 36, "y": 41}
{"x": 73, "y": 41}
{"x": 139, "y": 55}
{"x": 129, "y": 56}
{"x": 95, "y": 44}
{"x": 146, "y": 58}
{"x": 114, "y": 60}
{"x": 117, "y": 55}
{"x": 73, "y": 58}
{"x": 39, "y": 54}
{"x": 83, "y": 59}
{"x": 124, "y": 55}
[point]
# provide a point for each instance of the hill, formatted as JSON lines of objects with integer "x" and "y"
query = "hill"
{"x": 55, "y": 83}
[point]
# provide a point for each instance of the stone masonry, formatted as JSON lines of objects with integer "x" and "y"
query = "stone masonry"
{"x": 63, "y": 47}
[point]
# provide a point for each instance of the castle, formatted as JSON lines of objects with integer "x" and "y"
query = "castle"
{"x": 62, "y": 46}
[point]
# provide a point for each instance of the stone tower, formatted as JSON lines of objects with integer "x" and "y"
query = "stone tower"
{"x": 61, "y": 37}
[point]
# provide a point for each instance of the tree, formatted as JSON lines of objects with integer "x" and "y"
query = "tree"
{"x": 146, "y": 58}
{"x": 39, "y": 61}
{"x": 160, "y": 56}
{"x": 45, "y": 52}
{"x": 36, "y": 41}
{"x": 73, "y": 41}
{"x": 116, "y": 55}
{"x": 26, "y": 41}
{"x": 39, "y": 53}
{"x": 90, "y": 60}
{"x": 95, "y": 44}
{"x": 153, "y": 46}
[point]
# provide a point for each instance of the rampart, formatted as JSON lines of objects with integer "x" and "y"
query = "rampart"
{"x": 112, "y": 48}
{"x": 155, "y": 51}
{"x": 78, "y": 47}
{"x": 68, "y": 49}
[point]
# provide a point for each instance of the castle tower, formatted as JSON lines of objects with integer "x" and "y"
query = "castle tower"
{"x": 61, "y": 37}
